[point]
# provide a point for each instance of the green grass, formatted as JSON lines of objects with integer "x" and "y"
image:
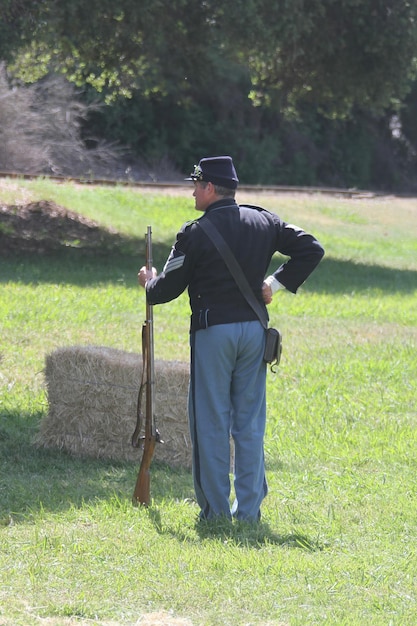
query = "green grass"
{"x": 337, "y": 541}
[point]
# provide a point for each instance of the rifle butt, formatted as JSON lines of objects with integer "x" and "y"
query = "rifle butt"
{"x": 141, "y": 493}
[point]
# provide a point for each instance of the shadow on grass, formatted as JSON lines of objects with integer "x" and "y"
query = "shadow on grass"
{"x": 81, "y": 267}
{"x": 34, "y": 479}
{"x": 121, "y": 262}
{"x": 335, "y": 276}
{"x": 238, "y": 533}
{"x": 252, "y": 534}
{"x": 341, "y": 276}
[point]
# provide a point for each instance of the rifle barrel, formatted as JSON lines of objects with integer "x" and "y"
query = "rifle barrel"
{"x": 141, "y": 494}
{"x": 150, "y": 373}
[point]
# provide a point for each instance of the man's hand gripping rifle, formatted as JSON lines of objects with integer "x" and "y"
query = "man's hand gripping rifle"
{"x": 141, "y": 494}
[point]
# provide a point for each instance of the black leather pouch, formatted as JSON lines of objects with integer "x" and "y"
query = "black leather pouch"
{"x": 273, "y": 347}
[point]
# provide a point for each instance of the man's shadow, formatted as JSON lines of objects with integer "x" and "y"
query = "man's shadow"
{"x": 242, "y": 534}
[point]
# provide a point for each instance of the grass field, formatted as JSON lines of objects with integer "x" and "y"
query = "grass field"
{"x": 337, "y": 544}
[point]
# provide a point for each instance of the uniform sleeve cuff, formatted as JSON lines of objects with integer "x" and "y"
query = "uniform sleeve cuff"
{"x": 272, "y": 282}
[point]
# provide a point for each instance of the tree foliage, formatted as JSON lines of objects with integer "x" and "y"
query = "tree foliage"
{"x": 260, "y": 76}
{"x": 17, "y": 20}
{"x": 335, "y": 53}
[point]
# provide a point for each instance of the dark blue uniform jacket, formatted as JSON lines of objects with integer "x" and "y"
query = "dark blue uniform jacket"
{"x": 254, "y": 235}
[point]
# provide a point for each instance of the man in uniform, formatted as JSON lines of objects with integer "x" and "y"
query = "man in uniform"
{"x": 227, "y": 394}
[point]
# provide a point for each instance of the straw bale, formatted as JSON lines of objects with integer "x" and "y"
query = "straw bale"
{"x": 92, "y": 397}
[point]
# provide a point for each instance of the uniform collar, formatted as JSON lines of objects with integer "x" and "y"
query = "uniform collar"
{"x": 223, "y": 203}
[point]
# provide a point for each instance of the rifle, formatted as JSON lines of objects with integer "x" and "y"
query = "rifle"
{"x": 141, "y": 494}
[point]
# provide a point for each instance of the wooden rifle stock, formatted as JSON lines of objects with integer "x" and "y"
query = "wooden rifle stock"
{"x": 141, "y": 494}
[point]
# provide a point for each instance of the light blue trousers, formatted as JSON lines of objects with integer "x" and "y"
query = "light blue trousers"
{"x": 227, "y": 397}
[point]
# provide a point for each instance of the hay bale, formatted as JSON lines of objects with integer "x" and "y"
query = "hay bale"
{"x": 92, "y": 395}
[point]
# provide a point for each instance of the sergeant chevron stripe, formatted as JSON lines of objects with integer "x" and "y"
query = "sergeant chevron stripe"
{"x": 174, "y": 264}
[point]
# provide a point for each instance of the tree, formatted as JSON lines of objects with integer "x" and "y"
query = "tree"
{"x": 18, "y": 18}
{"x": 335, "y": 53}
{"x": 197, "y": 75}
{"x": 338, "y": 54}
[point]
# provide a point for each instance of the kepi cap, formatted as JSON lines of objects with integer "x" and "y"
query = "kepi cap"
{"x": 217, "y": 170}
